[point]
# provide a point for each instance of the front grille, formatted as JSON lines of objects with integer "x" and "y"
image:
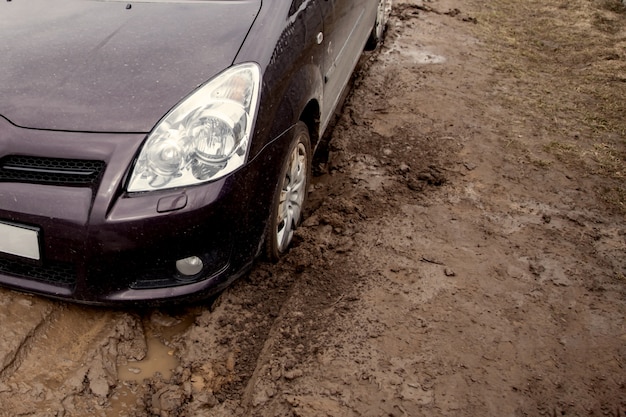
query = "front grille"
{"x": 58, "y": 171}
{"x": 55, "y": 273}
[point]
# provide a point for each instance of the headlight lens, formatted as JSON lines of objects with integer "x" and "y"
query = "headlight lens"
{"x": 203, "y": 138}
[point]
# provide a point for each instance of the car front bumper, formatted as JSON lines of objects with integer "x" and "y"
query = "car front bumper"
{"x": 101, "y": 245}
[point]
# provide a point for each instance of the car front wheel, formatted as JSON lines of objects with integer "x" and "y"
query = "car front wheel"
{"x": 290, "y": 194}
{"x": 378, "y": 31}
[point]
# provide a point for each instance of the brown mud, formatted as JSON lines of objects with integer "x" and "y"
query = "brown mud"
{"x": 464, "y": 251}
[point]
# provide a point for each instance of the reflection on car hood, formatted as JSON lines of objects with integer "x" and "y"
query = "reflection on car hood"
{"x": 86, "y": 65}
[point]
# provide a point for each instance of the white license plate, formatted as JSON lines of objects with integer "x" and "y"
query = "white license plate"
{"x": 19, "y": 240}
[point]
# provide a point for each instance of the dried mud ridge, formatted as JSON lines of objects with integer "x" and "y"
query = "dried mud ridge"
{"x": 454, "y": 260}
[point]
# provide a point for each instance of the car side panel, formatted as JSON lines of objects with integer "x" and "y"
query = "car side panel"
{"x": 289, "y": 60}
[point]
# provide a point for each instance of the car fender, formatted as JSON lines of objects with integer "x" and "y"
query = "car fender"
{"x": 291, "y": 65}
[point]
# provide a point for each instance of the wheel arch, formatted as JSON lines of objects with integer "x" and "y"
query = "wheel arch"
{"x": 311, "y": 116}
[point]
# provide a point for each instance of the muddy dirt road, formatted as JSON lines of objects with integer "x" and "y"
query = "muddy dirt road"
{"x": 464, "y": 253}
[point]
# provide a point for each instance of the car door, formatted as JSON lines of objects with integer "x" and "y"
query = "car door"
{"x": 347, "y": 24}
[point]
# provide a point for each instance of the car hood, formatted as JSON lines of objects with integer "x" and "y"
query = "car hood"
{"x": 112, "y": 66}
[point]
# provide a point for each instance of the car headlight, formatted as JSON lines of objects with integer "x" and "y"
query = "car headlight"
{"x": 204, "y": 137}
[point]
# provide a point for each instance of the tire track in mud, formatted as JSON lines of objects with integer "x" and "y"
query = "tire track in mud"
{"x": 68, "y": 352}
{"x": 222, "y": 349}
{"x": 24, "y": 321}
{"x": 228, "y": 351}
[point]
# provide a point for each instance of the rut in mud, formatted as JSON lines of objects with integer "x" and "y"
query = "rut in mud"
{"x": 464, "y": 251}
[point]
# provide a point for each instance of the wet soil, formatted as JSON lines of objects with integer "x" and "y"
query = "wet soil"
{"x": 464, "y": 251}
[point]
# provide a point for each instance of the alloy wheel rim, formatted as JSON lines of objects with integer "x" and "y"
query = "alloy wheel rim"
{"x": 380, "y": 18}
{"x": 292, "y": 196}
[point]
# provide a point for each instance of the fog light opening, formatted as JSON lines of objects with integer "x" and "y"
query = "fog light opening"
{"x": 189, "y": 266}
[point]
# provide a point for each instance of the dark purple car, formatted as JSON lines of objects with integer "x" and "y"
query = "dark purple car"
{"x": 151, "y": 150}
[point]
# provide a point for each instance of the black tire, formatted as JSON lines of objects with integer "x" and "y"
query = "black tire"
{"x": 380, "y": 25}
{"x": 290, "y": 194}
